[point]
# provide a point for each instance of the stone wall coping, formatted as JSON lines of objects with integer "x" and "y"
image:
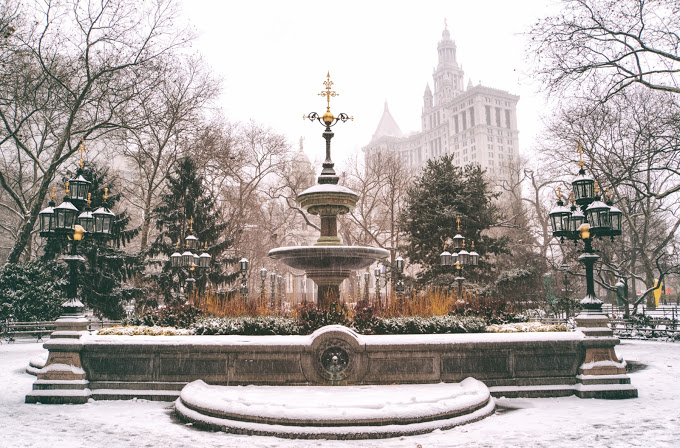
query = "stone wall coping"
{"x": 284, "y": 343}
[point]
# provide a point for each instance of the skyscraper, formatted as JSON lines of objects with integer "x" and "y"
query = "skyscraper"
{"x": 476, "y": 124}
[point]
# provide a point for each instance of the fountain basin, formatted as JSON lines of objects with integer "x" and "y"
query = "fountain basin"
{"x": 328, "y": 258}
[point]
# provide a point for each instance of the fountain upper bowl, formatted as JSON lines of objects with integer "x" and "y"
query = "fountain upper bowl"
{"x": 328, "y": 257}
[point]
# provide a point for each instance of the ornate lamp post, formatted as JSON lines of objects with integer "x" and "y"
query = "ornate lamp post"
{"x": 243, "y": 268}
{"x": 263, "y": 277}
{"x": 587, "y": 219}
{"x": 272, "y": 279}
{"x": 367, "y": 279}
{"x": 65, "y": 222}
{"x": 376, "y": 273}
{"x": 400, "y": 283}
{"x": 459, "y": 259}
{"x": 189, "y": 260}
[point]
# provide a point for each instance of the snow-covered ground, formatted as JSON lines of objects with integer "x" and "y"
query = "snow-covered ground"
{"x": 652, "y": 420}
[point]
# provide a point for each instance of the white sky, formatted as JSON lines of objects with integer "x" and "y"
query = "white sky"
{"x": 273, "y": 57}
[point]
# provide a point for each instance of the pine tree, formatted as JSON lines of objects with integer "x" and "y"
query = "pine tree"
{"x": 104, "y": 277}
{"x": 186, "y": 206}
{"x": 438, "y": 196}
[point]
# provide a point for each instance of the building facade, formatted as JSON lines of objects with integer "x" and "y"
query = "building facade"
{"x": 476, "y": 124}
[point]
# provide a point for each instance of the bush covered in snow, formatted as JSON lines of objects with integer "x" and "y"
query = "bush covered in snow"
{"x": 519, "y": 327}
{"x": 143, "y": 330}
{"x": 28, "y": 291}
{"x": 261, "y": 325}
{"x": 181, "y": 315}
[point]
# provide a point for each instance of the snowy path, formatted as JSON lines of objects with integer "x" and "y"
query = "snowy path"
{"x": 652, "y": 421}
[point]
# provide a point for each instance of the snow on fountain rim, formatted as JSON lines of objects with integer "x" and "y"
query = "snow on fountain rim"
{"x": 337, "y": 403}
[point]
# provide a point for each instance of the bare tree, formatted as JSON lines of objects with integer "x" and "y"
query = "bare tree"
{"x": 74, "y": 68}
{"x": 161, "y": 125}
{"x": 601, "y": 47}
{"x": 381, "y": 182}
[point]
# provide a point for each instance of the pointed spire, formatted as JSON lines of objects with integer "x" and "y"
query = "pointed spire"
{"x": 387, "y": 127}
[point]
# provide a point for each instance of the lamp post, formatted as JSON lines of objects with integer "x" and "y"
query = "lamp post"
{"x": 367, "y": 279}
{"x": 66, "y": 223}
{"x": 272, "y": 279}
{"x": 460, "y": 258}
{"x": 587, "y": 219}
{"x": 263, "y": 277}
{"x": 243, "y": 268}
{"x": 188, "y": 260}
{"x": 376, "y": 273}
{"x": 399, "y": 261}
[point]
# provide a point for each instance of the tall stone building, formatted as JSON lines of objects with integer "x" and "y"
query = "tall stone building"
{"x": 476, "y": 124}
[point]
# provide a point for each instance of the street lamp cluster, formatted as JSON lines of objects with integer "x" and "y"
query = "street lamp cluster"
{"x": 189, "y": 259}
{"x": 587, "y": 218}
{"x": 460, "y": 257}
{"x": 72, "y": 221}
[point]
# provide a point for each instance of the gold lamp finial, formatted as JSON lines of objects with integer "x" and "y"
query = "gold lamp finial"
{"x": 177, "y": 245}
{"x": 106, "y": 194}
{"x": 328, "y": 92}
{"x": 571, "y": 198}
{"x": 559, "y": 193}
{"x": 458, "y": 222}
{"x": 53, "y": 196}
{"x": 580, "y": 155}
{"x": 81, "y": 148}
{"x": 89, "y": 198}
{"x": 191, "y": 225}
{"x": 597, "y": 189}
{"x": 607, "y": 194}
{"x": 66, "y": 190}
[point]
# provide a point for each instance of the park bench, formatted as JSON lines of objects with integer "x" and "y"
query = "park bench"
{"x": 11, "y": 330}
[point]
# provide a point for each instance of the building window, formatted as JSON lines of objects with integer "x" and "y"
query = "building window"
{"x": 472, "y": 116}
{"x": 487, "y": 112}
{"x": 507, "y": 118}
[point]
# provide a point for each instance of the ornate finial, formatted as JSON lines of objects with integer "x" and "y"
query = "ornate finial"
{"x": 597, "y": 189}
{"x": 328, "y": 118}
{"x": 191, "y": 225}
{"x": 571, "y": 198}
{"x": 458, "y": 222}
{"x": 106, "y": 194}
{"x": 89, "y": 198}
{"x": 66, "y": 190}
{"x": 559, "y": 193}
{"x": 580, "y": 154}
{"x": 177, "y": 245}
{"x": 607, "y": 194}
{"x": 446, "y": 24}
{"x": 54, "y": 194}
{"x": 473, "y": 245}
{"x": 81, "y": 148}
{"x": 328, "y": 93}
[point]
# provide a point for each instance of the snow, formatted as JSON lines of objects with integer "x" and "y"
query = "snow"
{"x": 653, "y": 420}
{"x": 312, "y": 403}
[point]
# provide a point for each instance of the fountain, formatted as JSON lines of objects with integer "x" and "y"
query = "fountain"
{"x": 328, "y": 262}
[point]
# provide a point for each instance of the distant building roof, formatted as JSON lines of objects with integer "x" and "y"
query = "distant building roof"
{"x": 387, "y": 127}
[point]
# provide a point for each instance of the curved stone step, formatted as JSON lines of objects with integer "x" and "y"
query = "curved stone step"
{"x": 334, "y": 412}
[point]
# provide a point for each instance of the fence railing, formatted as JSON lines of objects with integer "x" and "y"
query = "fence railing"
{"x": 11, "y": 330}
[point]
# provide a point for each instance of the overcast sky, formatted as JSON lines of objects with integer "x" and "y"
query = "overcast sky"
{"x": 273, "y": 57}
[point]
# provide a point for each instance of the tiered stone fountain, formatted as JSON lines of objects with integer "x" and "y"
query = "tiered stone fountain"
{"x": 328, "y": 262}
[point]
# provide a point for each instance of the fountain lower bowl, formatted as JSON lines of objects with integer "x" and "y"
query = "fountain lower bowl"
{"x": 328, "y": 258}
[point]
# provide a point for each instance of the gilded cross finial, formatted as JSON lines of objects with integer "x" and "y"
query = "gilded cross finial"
{"x": 580, "y": 154}
{"x": 191, "y": 225}
{"x": 328, "y": 93}
{"x": 458, "y": 222}
{"x": 81, "y": 148}
{"x": 106, "y": 194}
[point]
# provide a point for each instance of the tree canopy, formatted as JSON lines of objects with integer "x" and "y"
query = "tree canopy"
{"x": 440, "y": 194}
